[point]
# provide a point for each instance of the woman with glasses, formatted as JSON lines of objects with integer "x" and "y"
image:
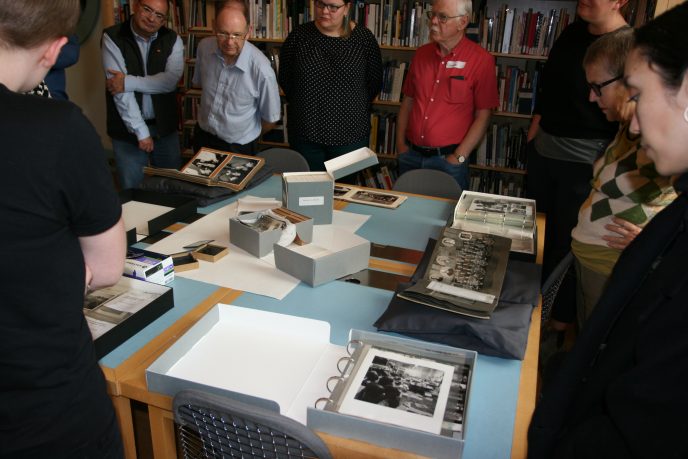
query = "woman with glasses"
{"x": 330, "y": 70}
{"x": 568, "y": 133}
{"x": 621, "y": 392}
{"x": 626, "y": 190}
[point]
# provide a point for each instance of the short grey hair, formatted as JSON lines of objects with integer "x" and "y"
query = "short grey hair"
{"x": 464, "y": 7}
{"x": 610, "y": 50}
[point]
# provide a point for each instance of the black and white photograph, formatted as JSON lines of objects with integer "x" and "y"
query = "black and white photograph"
{"x": 371, "y": 196}
{"x": 399, "y": 389}
{"x": 264, "y": 222}
{"x": 236, "y": 170}
{"x": 204, "y": 164}
{"x": 340, "y": 190}
{"x": 455, "y": 413}
{"x": 368, "y": 197}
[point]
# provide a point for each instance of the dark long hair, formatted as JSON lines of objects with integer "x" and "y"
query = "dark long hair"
{"x": 664, "y": 43}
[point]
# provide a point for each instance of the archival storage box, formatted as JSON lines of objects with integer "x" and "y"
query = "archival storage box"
{"x": 283, "y": 363}
{"x": 179, "y": 209}
{"x": 333, "y": 254}
{"x": 312, "y": 193}
{"x": 259, "y": 241}
{"x": 115, "y": 314}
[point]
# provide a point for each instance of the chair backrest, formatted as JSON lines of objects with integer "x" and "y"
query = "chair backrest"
{"x": 230, "y": 428}
{"x": 551, "y": 286}
{"x": 284, "y": 160}
{"x": 429, "y": 182}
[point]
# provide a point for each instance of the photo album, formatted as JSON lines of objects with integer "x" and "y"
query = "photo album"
{"x": 215, "y": 168}
{"x": 402, "y": 388}
{"x": 465, "y": 273}
{"x": 368, "y": 197}
{"x": 501, "y": 215}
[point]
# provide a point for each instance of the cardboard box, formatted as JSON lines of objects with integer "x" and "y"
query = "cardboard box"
{"x": 311, "y": 193}
{"x": 301, "y": 360}
{"x": 210, "y": 253}
{"x": 335, "y": 253}
{"x": 142, "y": 303}
{"x": 181, "y": 208}
{"x": 261, "y": 243}
{"x": 184, "y": 262}
{"x": 149, "y": 266}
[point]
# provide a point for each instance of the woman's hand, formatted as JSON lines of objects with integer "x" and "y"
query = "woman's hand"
{"x": 624, "y": 232}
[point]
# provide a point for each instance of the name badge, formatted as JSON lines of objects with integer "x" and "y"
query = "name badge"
{"x": 455, "y": 64}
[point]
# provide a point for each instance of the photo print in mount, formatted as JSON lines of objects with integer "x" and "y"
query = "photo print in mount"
{"x": 399, "y": 389}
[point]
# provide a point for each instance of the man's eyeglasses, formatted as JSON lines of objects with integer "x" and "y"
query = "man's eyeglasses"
{"x": 331, "y": 8}
{"x": 597, "y": 87}
{"x": 443, "y": 18}
{"x": 151, "y": 13}
{"x": 231, "y": 36}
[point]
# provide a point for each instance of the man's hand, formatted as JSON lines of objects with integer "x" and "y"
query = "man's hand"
{"x": 115, "y": 84}
{"x": 402, "y": 148}
{"x": 146, "y": 144}
{"x": 626, "y": 231}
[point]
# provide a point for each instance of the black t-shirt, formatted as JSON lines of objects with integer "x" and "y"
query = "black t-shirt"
{"x": 329, "y": 83}
{"x": 563, "y": 92}
{"x": 56, "y": 187}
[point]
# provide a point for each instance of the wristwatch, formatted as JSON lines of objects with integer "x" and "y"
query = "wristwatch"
{"x": 460, "y": 159}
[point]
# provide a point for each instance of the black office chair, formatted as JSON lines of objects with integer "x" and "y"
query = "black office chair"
{"x": 550, "y": 288}
{"x": 429, "y": 182}
{"x": 211, "y": 426}
{"x": 284, "y": 160}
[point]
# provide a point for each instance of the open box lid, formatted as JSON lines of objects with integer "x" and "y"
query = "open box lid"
{"x": 351, "y": 162}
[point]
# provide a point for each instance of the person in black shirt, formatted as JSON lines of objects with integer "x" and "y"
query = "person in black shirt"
{"x": 621, "y": 392}
{"x": 62, "y": 233}
{"x": 330, "y": 72}
{"x": 568, "y": 133}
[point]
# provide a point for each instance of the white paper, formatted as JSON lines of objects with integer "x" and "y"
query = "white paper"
{"x": 137, "y": 214}
{"x": 238, "y": 270}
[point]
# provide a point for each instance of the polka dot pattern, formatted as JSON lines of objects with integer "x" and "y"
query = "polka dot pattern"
{"x": 329, "y": 83}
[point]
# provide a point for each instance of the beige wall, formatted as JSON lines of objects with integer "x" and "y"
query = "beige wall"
{"x": 86, "y": 83}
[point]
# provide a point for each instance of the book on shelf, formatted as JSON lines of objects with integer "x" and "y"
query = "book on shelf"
{"x": 368, "y": 197}
{"x": 505, "y": 216}
{"x": 465, "y": 274}
{"x": 493, "y": 182}
{"x": 520, "y": 31}
{"x": 215, "y": 168}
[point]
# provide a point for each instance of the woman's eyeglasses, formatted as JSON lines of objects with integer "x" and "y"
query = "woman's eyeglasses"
{"x": 597, "y": 87}
{"x": 329, "y": 7}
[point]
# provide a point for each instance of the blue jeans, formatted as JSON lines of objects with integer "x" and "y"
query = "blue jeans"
{"x": 414, "y": 160}
{"x": 131, "y": 160}
{"x": 317, "y": 153}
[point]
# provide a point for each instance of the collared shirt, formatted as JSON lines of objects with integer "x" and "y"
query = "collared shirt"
{"x": 235, "y": 97}
{"x": 134, "y": 116}
{"x": 447, "y": 90}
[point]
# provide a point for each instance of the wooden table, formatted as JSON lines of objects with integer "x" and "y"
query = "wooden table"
{"x": 127, "y": 381}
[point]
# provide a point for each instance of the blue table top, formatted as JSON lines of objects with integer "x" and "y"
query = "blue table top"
{"x": 492, "y": 405}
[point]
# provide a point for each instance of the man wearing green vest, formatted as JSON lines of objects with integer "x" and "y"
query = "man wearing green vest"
{"x": 143, "y": 62}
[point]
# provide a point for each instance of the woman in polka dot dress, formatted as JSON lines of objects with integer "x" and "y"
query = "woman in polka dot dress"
{"x": 330, "y": 71}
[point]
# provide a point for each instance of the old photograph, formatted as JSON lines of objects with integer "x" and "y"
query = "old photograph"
{"x": 400, "y": 389}
{"x": 340, "y": 190}
{"x": 204, "y": 164}
{"x": 264, "y": 222}
{"x": 371, "y": 196}
{"x": 236, "y": 170}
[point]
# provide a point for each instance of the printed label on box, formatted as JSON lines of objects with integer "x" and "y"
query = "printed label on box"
{"x": 312, "y": 201}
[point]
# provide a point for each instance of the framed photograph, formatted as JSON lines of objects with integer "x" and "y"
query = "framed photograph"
{"x": 368, "y": 197}
{"x": 399, "y": 389}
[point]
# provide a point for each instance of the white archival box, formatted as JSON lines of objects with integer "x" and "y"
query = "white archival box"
{"x": 312, "y": 193}
{"x": 283, "y": 363}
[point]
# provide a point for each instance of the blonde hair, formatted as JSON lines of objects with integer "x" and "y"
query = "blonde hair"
{"x": 29, "y": 23}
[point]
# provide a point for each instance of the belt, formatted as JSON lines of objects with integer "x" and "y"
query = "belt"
{"x": 435, "y": 151}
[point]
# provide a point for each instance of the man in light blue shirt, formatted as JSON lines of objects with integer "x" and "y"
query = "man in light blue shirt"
{"x": 143, "y": 62}
{"x": 240, "y": 97}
